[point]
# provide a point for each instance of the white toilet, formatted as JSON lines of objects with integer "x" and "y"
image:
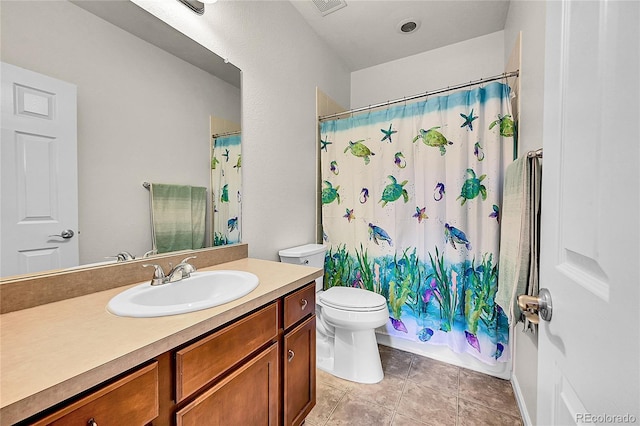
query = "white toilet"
{"x": 346, "y": 318}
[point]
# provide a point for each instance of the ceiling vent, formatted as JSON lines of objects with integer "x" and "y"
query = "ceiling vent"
{"x": 407, "y": 26}
{"x": 326, "y": 7}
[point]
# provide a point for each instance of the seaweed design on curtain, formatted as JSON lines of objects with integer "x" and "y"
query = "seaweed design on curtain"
{"x": 410, "y": 210}
{"x": 226, "y": 184}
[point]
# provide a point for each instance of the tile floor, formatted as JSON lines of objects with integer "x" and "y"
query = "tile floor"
{"x": 415, "y": 391}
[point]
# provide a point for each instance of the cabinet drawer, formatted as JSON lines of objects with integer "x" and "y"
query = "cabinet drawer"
{"x": 208, "y": 358}
{"x": 132, "y": 399}
{"x": 299, "y": 304}
{"x": 248, "y": 396}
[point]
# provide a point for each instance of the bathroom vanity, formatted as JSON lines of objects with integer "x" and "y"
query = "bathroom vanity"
{"x": 250, "y": 361}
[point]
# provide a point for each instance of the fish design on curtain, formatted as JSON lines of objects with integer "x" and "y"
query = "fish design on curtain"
{"x": 226, "y": 184}
{"x": 410, "y": 202}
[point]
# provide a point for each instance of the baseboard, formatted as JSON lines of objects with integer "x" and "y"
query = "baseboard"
{"x": 524, "y": 413}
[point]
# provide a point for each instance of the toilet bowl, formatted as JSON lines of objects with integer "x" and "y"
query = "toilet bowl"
{"x": 346, "y": 319}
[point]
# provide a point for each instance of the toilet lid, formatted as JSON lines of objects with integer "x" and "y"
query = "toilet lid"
{"x": 352, "y": 299}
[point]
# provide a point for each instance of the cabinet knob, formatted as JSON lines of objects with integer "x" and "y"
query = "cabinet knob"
{"x": 303, "y": 303}
{"x": 291, "y": 355}
{"x": 92, "y": 422}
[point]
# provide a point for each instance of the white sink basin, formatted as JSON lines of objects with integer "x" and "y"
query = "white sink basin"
{"x": 201, "y": 290}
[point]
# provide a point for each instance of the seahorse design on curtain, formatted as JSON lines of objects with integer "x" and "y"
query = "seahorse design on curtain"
{"x": 412, "y": 213}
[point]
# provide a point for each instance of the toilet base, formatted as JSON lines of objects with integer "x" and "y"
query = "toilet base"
{"x": 351, "y": 355}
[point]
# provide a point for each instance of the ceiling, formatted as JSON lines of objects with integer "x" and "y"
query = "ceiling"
{"x": 365, "y": 32}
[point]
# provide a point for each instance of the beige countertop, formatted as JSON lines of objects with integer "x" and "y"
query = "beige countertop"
{"x": 52, "y": 352}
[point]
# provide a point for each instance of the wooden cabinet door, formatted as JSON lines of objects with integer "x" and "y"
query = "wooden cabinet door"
{"x": 299, "y": 372}
{"x": 248, "y": 396}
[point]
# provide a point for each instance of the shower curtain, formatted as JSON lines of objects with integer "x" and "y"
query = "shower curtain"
{"x": 411, "y": 210}
{"x": 226, "y": 184}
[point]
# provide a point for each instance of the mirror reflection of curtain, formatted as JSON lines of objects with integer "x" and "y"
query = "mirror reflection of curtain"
{"x": 226, "y": 161}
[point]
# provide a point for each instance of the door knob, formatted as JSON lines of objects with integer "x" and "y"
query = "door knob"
{"x": 66, "y": 234}
{"x": 534, "y": 306}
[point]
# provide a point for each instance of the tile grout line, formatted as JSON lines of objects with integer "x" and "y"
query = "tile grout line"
{"x": 404, "y": 388}
{"x": 346, "y": 391}
{"x": 491, "y": 408}
{"x": 487, "y": 406}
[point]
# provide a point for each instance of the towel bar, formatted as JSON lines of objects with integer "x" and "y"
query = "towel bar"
{"x": 536, "y": 153}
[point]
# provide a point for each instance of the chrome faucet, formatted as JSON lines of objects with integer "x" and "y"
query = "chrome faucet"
{"x": 181, "y": 271}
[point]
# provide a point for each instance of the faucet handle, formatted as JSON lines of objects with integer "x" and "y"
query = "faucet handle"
{"x": 149, "y": 253}
{"x": 187, "y": 259}
{"x": 188, "y": 268}
{"x": 122, "y": 256}
{"x": 158, "y": 274}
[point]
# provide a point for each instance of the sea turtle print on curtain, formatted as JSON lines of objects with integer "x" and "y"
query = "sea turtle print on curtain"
{"x": 421, "y": 185}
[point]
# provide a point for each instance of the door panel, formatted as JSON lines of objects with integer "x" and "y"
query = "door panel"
{"x": 39, "y": 172}
{"x": 588, "y": 352}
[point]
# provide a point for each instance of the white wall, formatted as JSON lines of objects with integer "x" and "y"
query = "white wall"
{"x": 450, "y": 65}
{"x": 282, "y": 62}
{"x": 528, "y": 17}
{"x": 143, "y": 115}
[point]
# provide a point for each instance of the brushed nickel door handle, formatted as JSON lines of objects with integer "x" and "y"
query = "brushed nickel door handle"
{"x": 534, "y": 306}
{"x": 66, "y": 234}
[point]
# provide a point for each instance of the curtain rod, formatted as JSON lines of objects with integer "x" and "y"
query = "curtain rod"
{"x": 422, "y": 95}
{"x": 221, "y": 135}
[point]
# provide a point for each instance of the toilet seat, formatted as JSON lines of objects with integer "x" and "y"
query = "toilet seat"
{"x": 352, "y": 299}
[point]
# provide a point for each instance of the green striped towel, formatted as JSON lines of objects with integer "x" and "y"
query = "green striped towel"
{"x": 178, "y": 217}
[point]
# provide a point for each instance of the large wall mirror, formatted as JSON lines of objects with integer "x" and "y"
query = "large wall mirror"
{"x": 149, "y": 103}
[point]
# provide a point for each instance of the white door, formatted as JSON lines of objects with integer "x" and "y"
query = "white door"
{"x": 39, "y": 190}
{"x": 588, "y": 370}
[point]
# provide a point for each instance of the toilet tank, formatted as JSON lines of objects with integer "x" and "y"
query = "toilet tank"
{"x": 308, "y": 255}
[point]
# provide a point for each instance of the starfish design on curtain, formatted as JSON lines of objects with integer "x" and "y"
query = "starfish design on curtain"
{"x": 387, "y": 134}
{"x": 324, "y": 144}
{"x": 468, "y": 120}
